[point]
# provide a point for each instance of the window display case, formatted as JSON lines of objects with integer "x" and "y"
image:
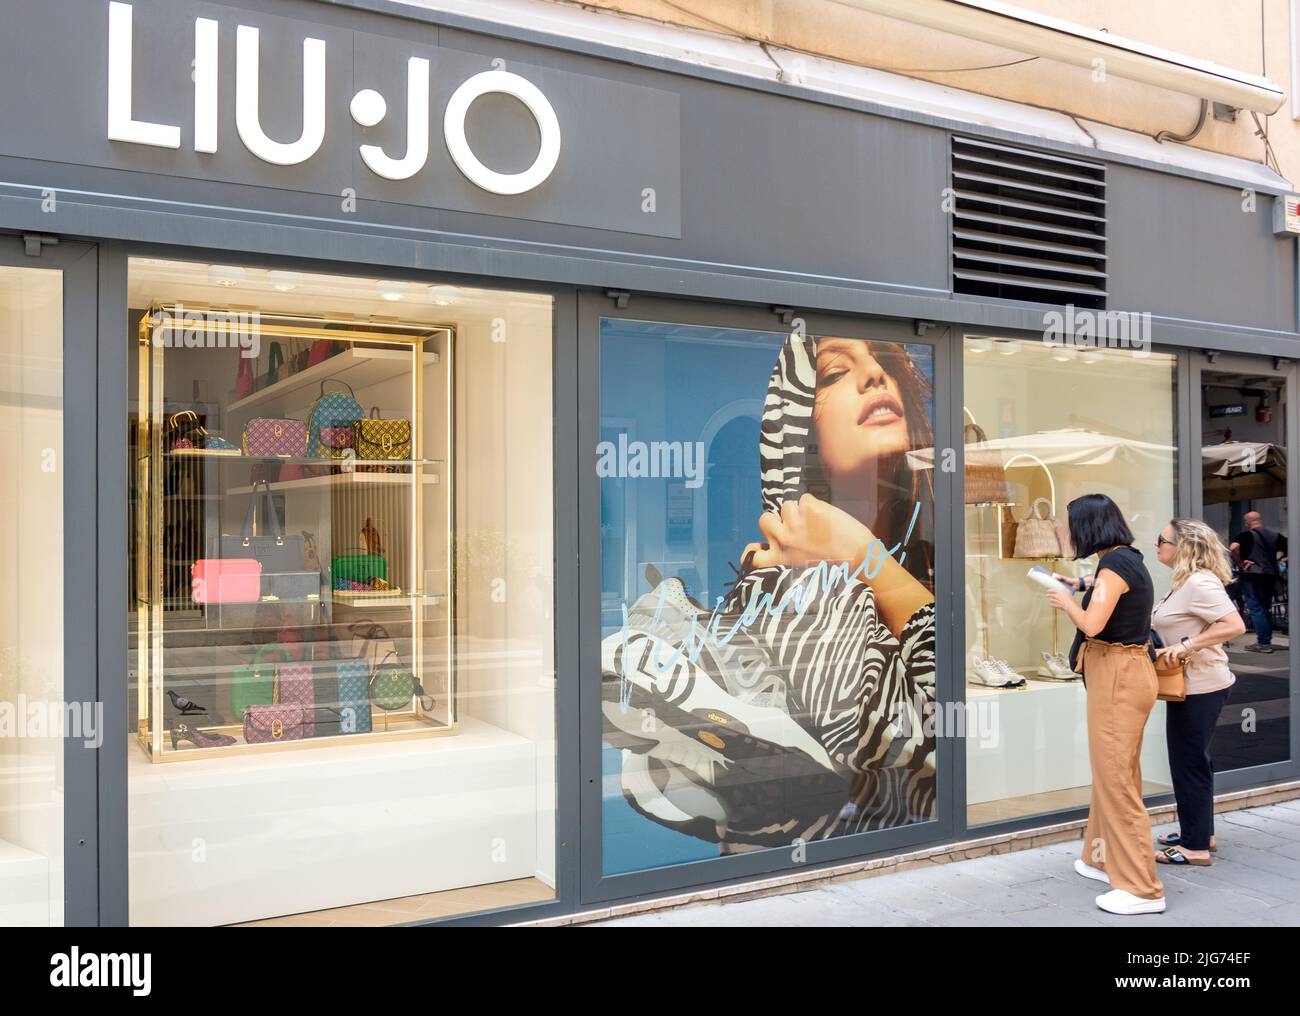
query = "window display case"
{"x": 292, "y": 542}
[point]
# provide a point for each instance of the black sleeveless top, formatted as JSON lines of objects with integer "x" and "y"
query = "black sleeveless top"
{"x": 1130, "y": 622}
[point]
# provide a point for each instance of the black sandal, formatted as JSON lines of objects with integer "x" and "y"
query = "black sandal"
{"x": 1176, "y": 840}
{"x": 1172, "y": 855}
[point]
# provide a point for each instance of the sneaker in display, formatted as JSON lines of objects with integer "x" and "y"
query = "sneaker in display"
{"x": 1013, "y": 679}
{"x": 1123, "y": 902}
{"x": 993, "y": 674}
{"x": 1053, "y": 668}
{"x": 1085, "y": 869}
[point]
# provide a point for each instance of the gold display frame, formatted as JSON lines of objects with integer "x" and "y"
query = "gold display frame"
{"x": 149, "y": 519}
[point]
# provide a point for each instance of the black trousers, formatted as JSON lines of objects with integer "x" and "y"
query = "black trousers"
{"x": 1189, "y": 726}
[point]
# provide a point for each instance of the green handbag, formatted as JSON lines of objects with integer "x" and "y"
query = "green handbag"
{"x": 255, "y": 684}
{"x": 393, "y": 686}
{"x": 358, "y": 567}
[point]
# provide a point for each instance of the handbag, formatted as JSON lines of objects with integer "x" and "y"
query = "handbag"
{"x": 354, "y": 696}
{"x": 268, "y": 723}
{"x": 321, "y": 350}
{"x": 382, "y": 439}
{"x": 276, "y": 552}
{"x": 358, "y": 566}
{"x": 986, "y": 483}
{"x": 1171, "y": 680}
{"x": 1036, "y": 534}
{"x": 331, "y": 410}
{"x": 393, "y": 686}
{"x": 226, "y": 580}
{"x": 272, "y": 438}
{"x": 254, "y": 684}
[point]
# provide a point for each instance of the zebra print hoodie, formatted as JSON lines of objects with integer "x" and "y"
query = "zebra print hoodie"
{"x": 754, "y": 724}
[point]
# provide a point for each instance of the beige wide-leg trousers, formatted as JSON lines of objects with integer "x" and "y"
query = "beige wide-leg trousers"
{"x": 1121, "y": 689}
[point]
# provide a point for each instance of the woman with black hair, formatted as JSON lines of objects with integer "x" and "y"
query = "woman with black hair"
{"x": 1112, "y": 651}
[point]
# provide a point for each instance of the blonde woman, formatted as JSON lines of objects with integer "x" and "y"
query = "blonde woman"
{"x": 1194, "y": 621}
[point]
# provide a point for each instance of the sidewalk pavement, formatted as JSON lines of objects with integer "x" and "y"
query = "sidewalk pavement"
{"x": 1255, "y": 880}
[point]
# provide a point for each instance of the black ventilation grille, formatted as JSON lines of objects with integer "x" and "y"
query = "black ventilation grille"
{"x": 1027, "y": 225}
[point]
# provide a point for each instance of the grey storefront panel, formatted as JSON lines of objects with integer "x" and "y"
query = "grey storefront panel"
{"x": 762, "y": 195}
{"x": 1198, "y": 251}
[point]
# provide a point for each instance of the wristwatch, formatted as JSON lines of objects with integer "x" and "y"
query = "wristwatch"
{"x": 1185, "y": 642}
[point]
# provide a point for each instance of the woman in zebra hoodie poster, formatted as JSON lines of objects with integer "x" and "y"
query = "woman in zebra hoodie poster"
{"x": 797, "y": 708}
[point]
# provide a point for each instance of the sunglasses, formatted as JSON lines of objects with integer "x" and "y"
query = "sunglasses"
{"x": 1162, "y": 542}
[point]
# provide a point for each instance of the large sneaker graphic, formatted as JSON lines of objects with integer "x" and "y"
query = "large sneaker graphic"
{"x": 707, "y": 744}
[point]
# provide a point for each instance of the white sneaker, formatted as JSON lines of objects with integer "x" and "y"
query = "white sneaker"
{"x": 1123, "y": 902}
{"x": 992, "y": 674}
{"x": 1088, "y": 871}
{"x": 1054, "y": 668}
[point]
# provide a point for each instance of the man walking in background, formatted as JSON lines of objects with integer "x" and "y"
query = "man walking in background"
{"x": 1259, "y": 550}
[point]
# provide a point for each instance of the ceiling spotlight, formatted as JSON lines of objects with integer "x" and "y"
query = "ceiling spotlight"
{"x": 1092, "y": 356}
{"x": 979, "y": 345}
{"x": 392, "y": 290}
{"x": 284, "y": 282}
{"x": 1007, "y": 347}
{"x": 225, "y": 275}
{"x": 443, "y": 296}
{"x": 1064, "y": 354}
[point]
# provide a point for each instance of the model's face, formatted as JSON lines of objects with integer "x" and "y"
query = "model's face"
{"x": 858, "y": 417}
{"x": 1166, "y": 550}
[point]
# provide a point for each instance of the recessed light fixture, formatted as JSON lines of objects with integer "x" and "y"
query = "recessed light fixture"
{"x": 1065, "y": 354}
{"x": 979, "y": 345}
{"x": 284, "y": 282}
{"x": 392, "y": 290}
{"x": 443, "y": 296}
{"x": 1007, "y": 347}
{"x": 1092, "y": 356}
{"x": 226, "y": 276}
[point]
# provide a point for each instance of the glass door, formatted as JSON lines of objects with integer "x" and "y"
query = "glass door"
{"x": 1242, "y": 408}
{"x": 760, "y": 642}
{"x": 50, "y": 714}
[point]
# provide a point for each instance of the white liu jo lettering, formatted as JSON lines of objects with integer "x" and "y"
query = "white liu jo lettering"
{"x": 368, "y": 108}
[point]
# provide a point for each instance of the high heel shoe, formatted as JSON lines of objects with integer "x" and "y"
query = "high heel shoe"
{"x": 184, "y": 706}
{"x": 198, "y": 738}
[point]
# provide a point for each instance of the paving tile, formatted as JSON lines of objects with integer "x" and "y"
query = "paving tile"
{"x": 1254, "y": 881}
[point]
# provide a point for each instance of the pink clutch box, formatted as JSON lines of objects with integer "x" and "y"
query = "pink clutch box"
{"x": 226, "y": 580}
{"x": 266, "y": 438}
{"x": 265, "y": 724}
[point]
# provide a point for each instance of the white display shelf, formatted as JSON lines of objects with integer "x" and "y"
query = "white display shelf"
{"x": 359, "y": 366}
{"x": 340, "y": 479}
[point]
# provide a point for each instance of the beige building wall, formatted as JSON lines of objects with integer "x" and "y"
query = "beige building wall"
{"x": 1246, "y": 35}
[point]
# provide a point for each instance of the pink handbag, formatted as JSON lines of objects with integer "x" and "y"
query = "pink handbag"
{"x": 264, "y": 438}
{"x": 226, "y": 580}
{"x": 298, "y": 688}
{"x": 264, "y": 724}
{"x": 292, "y": 716}
{"x": 321, "y": 350}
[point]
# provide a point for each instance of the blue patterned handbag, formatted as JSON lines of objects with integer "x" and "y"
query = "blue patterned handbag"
{"x": 354, "y": 696}
{"x": 331, "y": 409}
